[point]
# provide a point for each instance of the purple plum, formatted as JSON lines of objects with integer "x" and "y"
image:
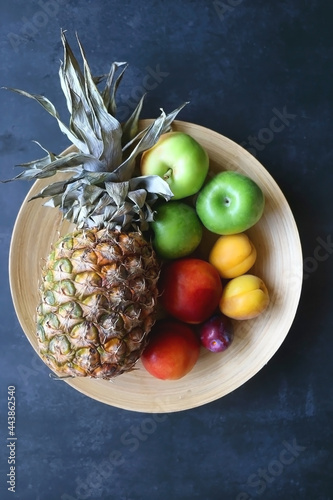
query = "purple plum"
{"x": 216, "y": 333}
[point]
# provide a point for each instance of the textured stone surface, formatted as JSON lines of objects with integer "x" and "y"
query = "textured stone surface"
{"x": 239, "y": 63}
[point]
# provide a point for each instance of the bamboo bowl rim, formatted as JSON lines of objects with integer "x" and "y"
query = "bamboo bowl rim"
{"x": 215, "y": 375}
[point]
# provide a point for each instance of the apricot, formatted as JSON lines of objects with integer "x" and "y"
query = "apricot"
{"x": 233, "y": 255}
{"x": 244, "y": 297}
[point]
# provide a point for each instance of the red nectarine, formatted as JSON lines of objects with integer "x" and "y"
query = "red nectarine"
{"x": 190, "y": 289}
{"x": 172, "y": 350}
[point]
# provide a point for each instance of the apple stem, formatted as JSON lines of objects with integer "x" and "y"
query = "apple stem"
{"x": 167, "y": 174}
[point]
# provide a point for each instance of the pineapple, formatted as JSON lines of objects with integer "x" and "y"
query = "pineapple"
{"x": 98, "y": 302}
{"x": 99, "y": 284}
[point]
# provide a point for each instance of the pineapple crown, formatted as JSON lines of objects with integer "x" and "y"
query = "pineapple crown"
{"x": 102, "y": 190}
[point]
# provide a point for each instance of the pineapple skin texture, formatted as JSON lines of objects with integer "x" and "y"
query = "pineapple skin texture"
{"x": 98, "y": 303}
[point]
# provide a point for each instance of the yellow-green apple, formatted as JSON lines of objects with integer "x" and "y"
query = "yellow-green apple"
{"x": 180, "y": 160}
{"x": 177, "y": 230}
{"x": 230, "y": 203}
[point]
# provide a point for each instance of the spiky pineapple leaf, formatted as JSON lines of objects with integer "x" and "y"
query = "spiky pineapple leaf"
{"x": 111, "y": 86}
{"x": 117, "y": 191}
{"x": 152, "y": 184}
{"x": 49, "y": 107}
{"x": 138, "y": 197}
{"x": 89, "y": 133}
{"x": 110, "y": 127}
{"x": 54, "y": 190}
{"x": 71, "y": 76}
{"x": 103, "y": 190}
{"x": 131, "y": 126}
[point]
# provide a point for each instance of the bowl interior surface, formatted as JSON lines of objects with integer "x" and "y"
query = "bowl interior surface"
{"x": 279, "y": 264}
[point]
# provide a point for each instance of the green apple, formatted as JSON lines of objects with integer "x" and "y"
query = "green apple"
{"x": 177, "y": 230}
{"x": 180, "y": 160}
{"x": 230, "y": 203}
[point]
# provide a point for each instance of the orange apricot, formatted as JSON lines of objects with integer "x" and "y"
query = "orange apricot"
{"x": 244, "y": 297}
{"x": 233, "y": 255}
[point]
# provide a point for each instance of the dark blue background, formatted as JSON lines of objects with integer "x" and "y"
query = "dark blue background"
{"x": 235, "y": 61}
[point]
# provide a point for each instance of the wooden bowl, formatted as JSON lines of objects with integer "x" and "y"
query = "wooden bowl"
{"x": 279, "y": 264}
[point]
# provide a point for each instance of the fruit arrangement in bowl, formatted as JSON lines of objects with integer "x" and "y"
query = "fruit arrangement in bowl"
{"x": 194, "y": 290}
{"x": 135, "y": 212}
